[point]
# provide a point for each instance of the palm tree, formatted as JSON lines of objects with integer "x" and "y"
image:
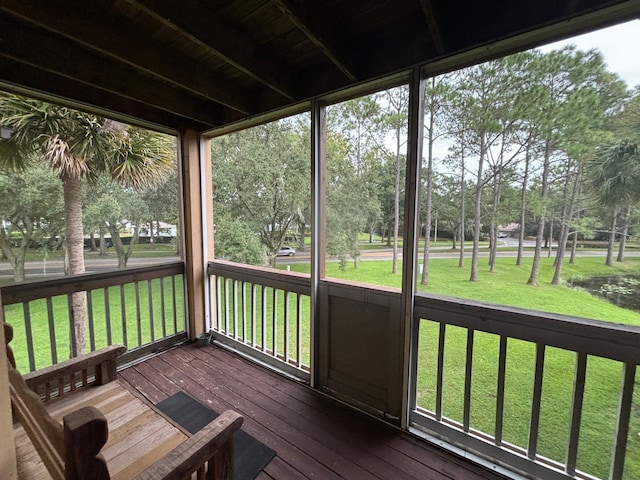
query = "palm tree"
{"x": 78, "y": 147}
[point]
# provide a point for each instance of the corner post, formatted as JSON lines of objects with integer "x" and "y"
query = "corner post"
{"x": 195, "y": 154}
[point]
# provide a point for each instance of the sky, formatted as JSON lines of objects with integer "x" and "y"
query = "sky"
{"x": 619, "y": 44}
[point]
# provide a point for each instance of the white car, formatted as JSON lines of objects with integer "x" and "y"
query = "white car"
{"x": 286, "y": 252}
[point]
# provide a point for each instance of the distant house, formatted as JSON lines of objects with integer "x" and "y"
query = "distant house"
{"x": 509, "y": 230}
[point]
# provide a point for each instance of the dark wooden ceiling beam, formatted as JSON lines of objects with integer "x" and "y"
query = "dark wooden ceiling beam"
{"x": 87, "y": 25}
{"x": 31, "y": 81}
{"x": 57, "y": 55}
{"x": 321, "y": 32}
{"x": 432, "y": 24}
{"x": 202, "y": 25}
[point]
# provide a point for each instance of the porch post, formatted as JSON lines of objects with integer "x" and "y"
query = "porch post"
{"x": 195, "y": 153}
{"x": 8, "y": 451}
{"x": 411, "y": 233}
{"x": 318, "y": 222}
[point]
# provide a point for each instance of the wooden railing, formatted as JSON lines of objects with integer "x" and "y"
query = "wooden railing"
{"x": 510, "y": 385}
{"x": 140, "y": 308}
{"x": 263, "y": 313}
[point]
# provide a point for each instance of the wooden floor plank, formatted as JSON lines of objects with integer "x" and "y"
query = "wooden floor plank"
{"x": 136, "y": 380}
{"x": 314, "y": 437}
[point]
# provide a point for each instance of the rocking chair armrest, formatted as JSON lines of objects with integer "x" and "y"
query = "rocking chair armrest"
{"x": 103, "y": 361}
{"x": 213, "y": 442}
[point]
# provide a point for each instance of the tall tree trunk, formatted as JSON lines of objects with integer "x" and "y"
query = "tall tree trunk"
{"x": 118, "y": 246}
{"x": 623, "y": 237}
{"x": 396, "y": 205}
{"x": 494, "y": 220}
{"x": 564, "y": 212}
{"x": 424, "y": 279}
{"x": 523, "y": 207}
{"x": 535, "y": 267}
{"x": 92, "y": 242}
{"x": 72, "y": 190}
{"x": 563, "y": 238}
{"x": 463, "y": 225}
{"x": 132, "y": 243}
{"x": 478, "y": 213}
{"x": 389, "y": 229}
{"x": 612, "y": 239}
{"x": 574, "y": 243}
{"x": 574, "y": 247}
{"x": 103, "y": 242}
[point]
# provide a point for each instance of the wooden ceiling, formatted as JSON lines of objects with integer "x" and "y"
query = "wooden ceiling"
{"x": 205, "y": 64}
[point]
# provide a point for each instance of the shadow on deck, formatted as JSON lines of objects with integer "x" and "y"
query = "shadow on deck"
{"x": 314, "y": 437}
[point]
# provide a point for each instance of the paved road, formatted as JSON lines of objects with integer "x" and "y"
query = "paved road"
{"x": 53, "y": 268}
{"x": 35, "y": 270}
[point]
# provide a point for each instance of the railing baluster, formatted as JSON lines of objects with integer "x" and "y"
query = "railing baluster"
{"x": 264, "y": 318}
{"x": 226, "y": 306}
{"x": 466, "y": 415}
{"x": 624, "y": 417}
{"x": 163, "y": 317}
{"x": 440, "y": 374}
{"x": 73, "y": 348}
{"x": 235, "y": 308}
{"x": 274, "y": 320}
{"x": 138, "y": 319}
{"x": 150, "y": 299}
{"x": 174, "y": 304}
{"x": 536, "y": 401}
{"x": 123, "y": 316}
{"x": 286, "y": 326}
{"x": 576, "y": 412}
{"x": 92, "y": 330}
{"x": 107, "y": 315}
{"x": 29, "y": 336}
{"x": 253, "y": 314}
{"x": 243, "y": 318}
{"x": 52, "y": 332}
{"x": 298, "y": 329}
{"x": 502, "y": 368}
{"x": 218, "y": 320}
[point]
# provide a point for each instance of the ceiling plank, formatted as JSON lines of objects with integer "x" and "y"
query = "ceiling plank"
{"x": 321, "y": 32}
{"x": 86, "y": 24}
{"x": 51, "y": 53}
{"x": 211, "y": 32}
{"x": 432, "y": 24}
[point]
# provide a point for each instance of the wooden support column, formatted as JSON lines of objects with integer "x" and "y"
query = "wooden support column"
{"x": 411, "y": 211}
{"x": 318, "y": 221}
{"x": 195, "y": 153}
{"x": 8, "y": 451}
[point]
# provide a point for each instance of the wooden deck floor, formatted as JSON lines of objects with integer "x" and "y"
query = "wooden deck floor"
{"x": 313, "y": 437}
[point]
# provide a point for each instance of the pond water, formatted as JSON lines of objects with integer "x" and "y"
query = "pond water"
{"x": 623, "y": 291}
